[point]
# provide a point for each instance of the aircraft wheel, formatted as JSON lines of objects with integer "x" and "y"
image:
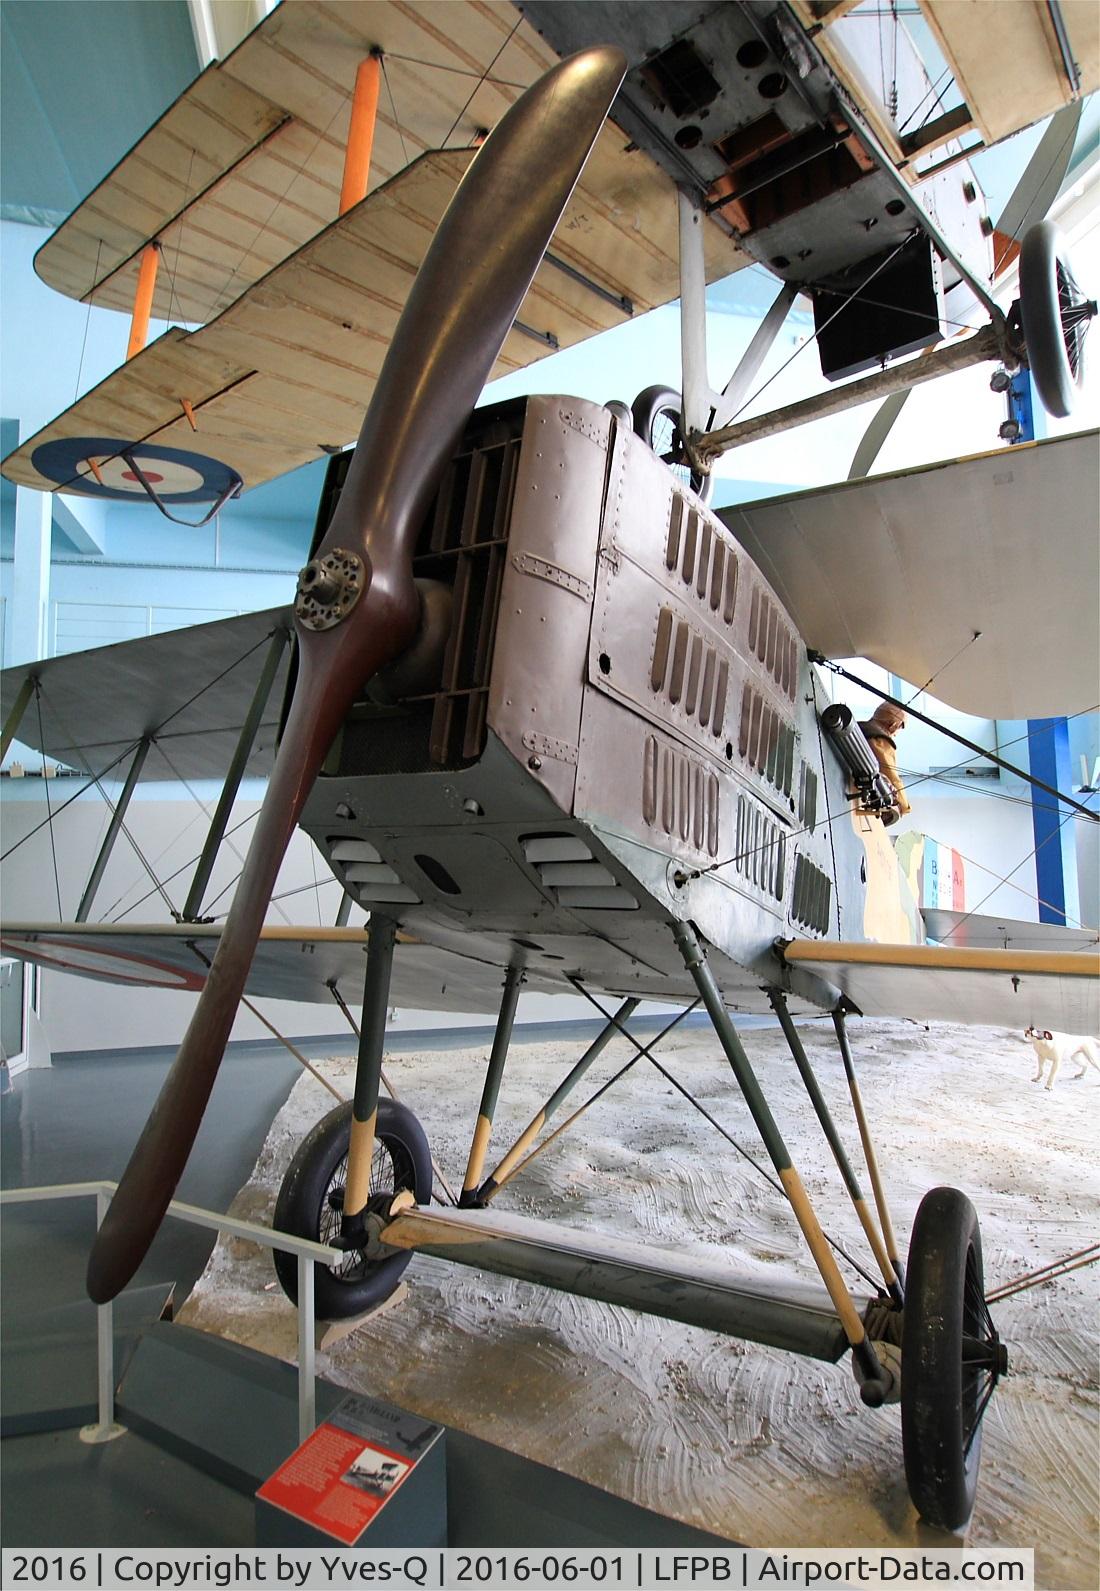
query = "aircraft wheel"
{"x": 951, "y": 1359}
{"x": 1055, "y": 318}
{"x": 311, "y": 1200}
{"x": 656, "y": 414}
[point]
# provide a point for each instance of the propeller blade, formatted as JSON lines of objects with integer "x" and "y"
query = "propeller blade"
{"x": 357, "y": 607}
{"x": 878, "y": 429}
{"x": 1041, "y": 181}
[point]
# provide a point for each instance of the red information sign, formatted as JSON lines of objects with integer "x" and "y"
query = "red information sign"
{"x": 336, "y": 1482}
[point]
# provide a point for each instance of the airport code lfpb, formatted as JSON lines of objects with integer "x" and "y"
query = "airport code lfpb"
{"x": 761, "y": 1569}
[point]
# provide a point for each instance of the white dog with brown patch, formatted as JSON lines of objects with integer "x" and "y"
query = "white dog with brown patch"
{"x": 1059, "y": 1047}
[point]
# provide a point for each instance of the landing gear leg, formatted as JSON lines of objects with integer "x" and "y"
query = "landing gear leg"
{"x": 513, "y": 980}
{"x": 869, "y": 1156}
{"x": 362, "y": 1152}
{"x": 851, "y": 1183}
{"x": 368, "y": 1070}
{"x": 876, "y": 1382}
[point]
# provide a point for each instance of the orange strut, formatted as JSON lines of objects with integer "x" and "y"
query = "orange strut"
{"x": 364, "y": 111}
{"x": 143, "y": 299}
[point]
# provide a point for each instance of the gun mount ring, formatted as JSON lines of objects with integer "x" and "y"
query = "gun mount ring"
{"x": 328, "y": 589}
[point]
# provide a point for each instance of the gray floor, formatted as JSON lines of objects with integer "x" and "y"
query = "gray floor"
{"x": 77, "y": 1122}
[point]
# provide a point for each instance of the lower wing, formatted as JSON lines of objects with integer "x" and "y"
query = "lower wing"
{"x": 290, "y": 963}
{"x": 993, "y": 986}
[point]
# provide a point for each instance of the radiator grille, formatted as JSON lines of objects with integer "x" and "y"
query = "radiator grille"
{"x": 707, "y": 564}
{"x": 773, "y": 642}
{"x": 761, "y": 854}
{"x": 680, "y": 796}
{"x": 461, "y": 543}
{"x": 812, "y": 896}
{"x": 689, "y": 673}
{"x": 470, "y": 527}
{"x": 765, "y": 740}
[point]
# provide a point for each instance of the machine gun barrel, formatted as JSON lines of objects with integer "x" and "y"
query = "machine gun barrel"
{"x": 853, "y": 748}
{"x": 850, "y": 743}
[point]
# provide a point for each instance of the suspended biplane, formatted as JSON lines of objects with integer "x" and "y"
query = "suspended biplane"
{"x": 549, "y": 721}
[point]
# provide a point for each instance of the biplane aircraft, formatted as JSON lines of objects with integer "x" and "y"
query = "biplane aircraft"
{"x": 553, "y": 722}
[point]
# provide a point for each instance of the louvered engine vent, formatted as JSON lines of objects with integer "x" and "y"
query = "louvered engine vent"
{"x": 567, "y": 868}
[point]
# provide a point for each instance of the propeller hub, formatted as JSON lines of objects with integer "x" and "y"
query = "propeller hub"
{"x": 328, "y": 589}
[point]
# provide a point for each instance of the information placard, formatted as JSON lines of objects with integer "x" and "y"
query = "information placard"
{"x": 342, "y": 1476}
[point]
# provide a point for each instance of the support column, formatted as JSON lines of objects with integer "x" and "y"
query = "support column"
{"x": 364, "y": 114}
{"x": 113, "y": 830}
{"x": 143, "y": 299}
{"x": 368, "y": 1070}
{"x": 30, "y": 576}
{"x": 502, "y": 1038}
{"x": 737, "y": 387}
{"x": 193, "y": 904}
{"x": 875, "y": 1380}
{"x": 693, "y": 318}
{"x": 1055, "y": 838}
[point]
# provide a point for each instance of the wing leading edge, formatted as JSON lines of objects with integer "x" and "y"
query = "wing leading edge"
{"x": 989, "y": 986}
{"x": 290, "y": 963}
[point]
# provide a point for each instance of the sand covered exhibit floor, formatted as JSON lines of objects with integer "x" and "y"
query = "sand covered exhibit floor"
{"x": 758, "y": 1446}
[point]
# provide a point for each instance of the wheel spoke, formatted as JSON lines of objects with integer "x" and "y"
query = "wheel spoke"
{"x": 974, "y": 1426}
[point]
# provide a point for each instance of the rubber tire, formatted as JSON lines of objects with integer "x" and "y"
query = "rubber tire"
{"x": 1041, "y": 254}
{"x": 304, "y": 1190}
{"x": 942, "y": 1479}
{"x": 648, "y": 408}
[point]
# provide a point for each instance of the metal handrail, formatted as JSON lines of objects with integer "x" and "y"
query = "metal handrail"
{"x": 307, "y": 1253}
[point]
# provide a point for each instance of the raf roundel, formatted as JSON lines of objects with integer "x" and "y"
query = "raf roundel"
{"x": 104, "y": 467}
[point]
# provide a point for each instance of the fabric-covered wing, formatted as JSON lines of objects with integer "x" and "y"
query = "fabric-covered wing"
{"x": 938, "y": 983}
{"x": 190, "y": 689}
{"x": 290, "y": 963}
{"x": 904, "y": 568}
{"x": 969, "y": 931}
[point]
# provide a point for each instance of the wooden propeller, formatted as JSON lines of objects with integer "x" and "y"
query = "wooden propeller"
{"x": 357, "y": 607}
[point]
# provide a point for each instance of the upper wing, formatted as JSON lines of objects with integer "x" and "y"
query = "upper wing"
{"x": 189, "y": 689}
{"x": 290, "y": 963}
{"x": 937, "y": 983}
{"x": 283, "y": 373}
{"x": 904, "y": 568}
{"x": 295, "y": 303}
{"x": 1028, "y": 76}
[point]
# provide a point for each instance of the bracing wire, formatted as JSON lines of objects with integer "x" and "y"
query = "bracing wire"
{"x": 1045, "y": 1273}
{"x": 482, "y": 79}
{"x": 644, "y": 1053}
{"x": 46, "y": 788}
{"x": 393, "y": 108}
{"x": 87, "y": 321}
